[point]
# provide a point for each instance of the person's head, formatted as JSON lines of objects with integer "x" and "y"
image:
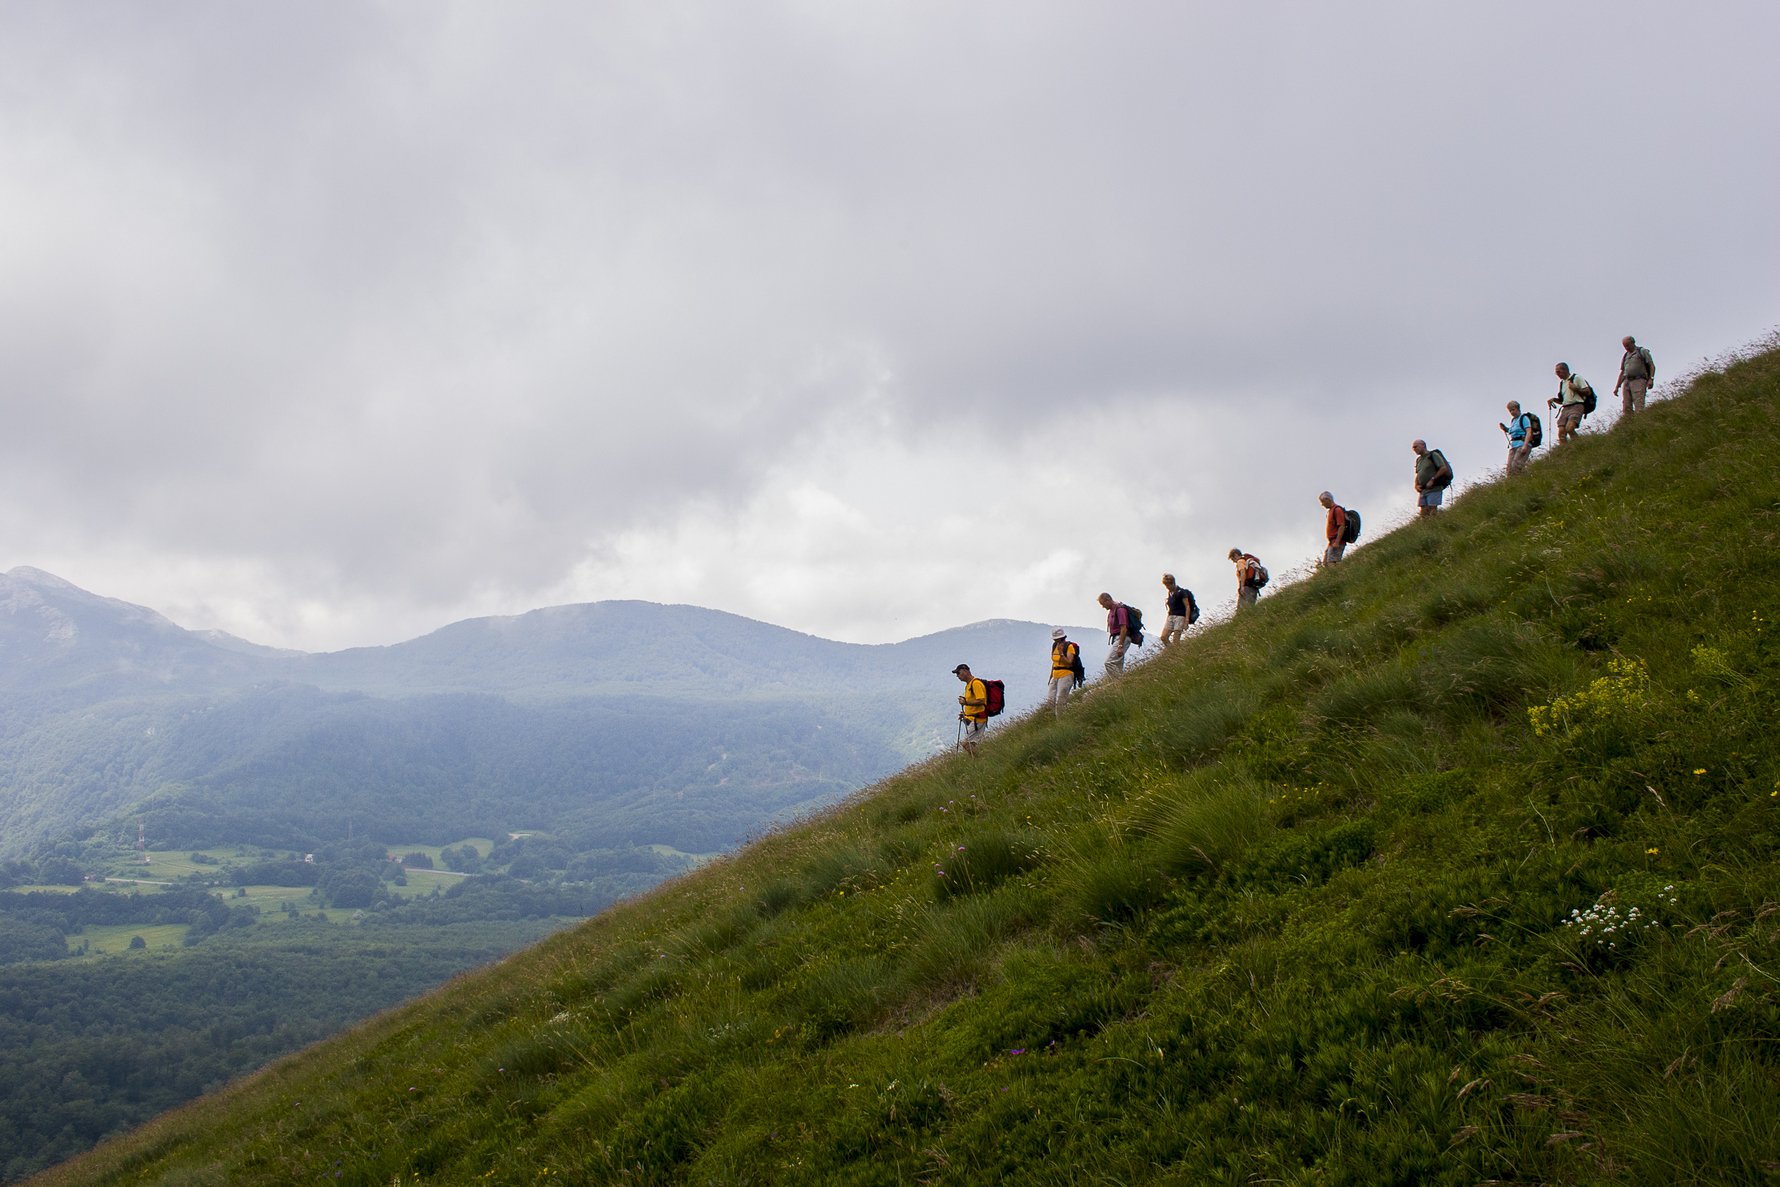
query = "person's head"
{"x": 1514, "y": 408}
{"x": 1562, "y": 370}
{"x": 1057, "y": 636}
{"x": 962, "y": 671}
{"x": 1105, "y": 601}
{"x": 1419, "y": 446}
{"x": 1628, "y": 342}
{"x": 1326, "y": 499}
{"x": 1236, "y": 554}
{"x": 1168, "y": 581}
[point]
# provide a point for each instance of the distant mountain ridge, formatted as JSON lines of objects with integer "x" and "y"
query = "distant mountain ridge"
{"x": 54, "y": 635}
{"x": 532, "y": 720}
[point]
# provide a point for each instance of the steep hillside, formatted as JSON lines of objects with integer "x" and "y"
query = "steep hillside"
{"x": 1456, "y": 864}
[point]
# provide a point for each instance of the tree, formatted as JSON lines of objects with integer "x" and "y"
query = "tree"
{"x": 137, "y": 942}
{"x": 60, "y": 871}
{"x": 465, "y": 860}
{"x": 349, "y": 888}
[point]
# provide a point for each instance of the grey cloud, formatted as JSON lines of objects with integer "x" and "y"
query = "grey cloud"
{"x": 445, "y": 297}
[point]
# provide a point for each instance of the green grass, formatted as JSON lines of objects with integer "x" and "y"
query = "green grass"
{"x": 1320, "y": 897}
{"x": 108, "y": 939}
{"x": 481, "y": 844}
{"x": 423, "y": 882}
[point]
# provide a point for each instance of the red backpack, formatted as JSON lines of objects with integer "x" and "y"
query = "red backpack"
{"x": 996, "y": 694}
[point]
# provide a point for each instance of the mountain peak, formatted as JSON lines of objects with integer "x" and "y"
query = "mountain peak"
{"x": 55, "y": 634}
{"x": 27, "y": 575}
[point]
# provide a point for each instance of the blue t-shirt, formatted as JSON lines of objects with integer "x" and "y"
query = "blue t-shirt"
{"x": 1518, "y": 428}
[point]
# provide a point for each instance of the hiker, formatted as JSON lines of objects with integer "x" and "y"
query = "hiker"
{"x": 1066, "y": 670}
{"x": 1432, "y": 477}
{"x": 1251, "y": 576}
{"x": 1572, "y": 401}
{"x": 1122, "y": 630}
{"x": 1334, "y": 530}
{"x": 1522, "y": 436}
{"x": 1637, "y": 371}
{"x": 973, "y": 710}
{"x": 1183, "y": 611}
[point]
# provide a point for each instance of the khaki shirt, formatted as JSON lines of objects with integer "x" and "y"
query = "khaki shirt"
{"x": 1637, "y": 364}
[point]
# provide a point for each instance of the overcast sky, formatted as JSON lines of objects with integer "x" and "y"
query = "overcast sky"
{"x": 330, "y": 324}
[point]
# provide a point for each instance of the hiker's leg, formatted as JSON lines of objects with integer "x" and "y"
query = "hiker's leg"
{"x": 1059, "y": 691}
{"x": 973, "y": 733}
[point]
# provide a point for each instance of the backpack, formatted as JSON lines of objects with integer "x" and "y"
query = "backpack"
{"x": 1588, "y": 393}
{"x": 1351, "y": 532}
{"x": 1134, "y": 625}
{"x": 1075, "y": 666}
{"x": 1262, "y": 576}
{"x": 1535, "y": 431}
{"x": 1192, "y": 609}
{"x": 1441, "y": 464}
{"x": 996, "y": 694}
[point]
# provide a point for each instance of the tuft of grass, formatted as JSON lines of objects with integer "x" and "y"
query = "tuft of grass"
{"x": 1214, "y": 820}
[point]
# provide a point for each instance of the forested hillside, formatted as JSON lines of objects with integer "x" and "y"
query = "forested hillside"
{"x": 1454, "y": 864}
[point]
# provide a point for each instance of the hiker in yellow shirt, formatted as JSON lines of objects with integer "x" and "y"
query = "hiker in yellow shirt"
{"x": 1065, "y": 663}
{"x": 973, "y": 709}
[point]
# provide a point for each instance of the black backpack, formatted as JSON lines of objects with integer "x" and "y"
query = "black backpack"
{"x": 1075, "y": 666}
{"x": 1134, "y": 625}
{"x": 1351, "y": 532}
{"x": 1192, "y": 609}
{"x": 1440, "y": 463}
{"x": 1585, "y": 387}
{"x": 1535, "y": 431}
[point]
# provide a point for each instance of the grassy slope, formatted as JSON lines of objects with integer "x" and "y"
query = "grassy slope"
{"x": 1286, "y": 906}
